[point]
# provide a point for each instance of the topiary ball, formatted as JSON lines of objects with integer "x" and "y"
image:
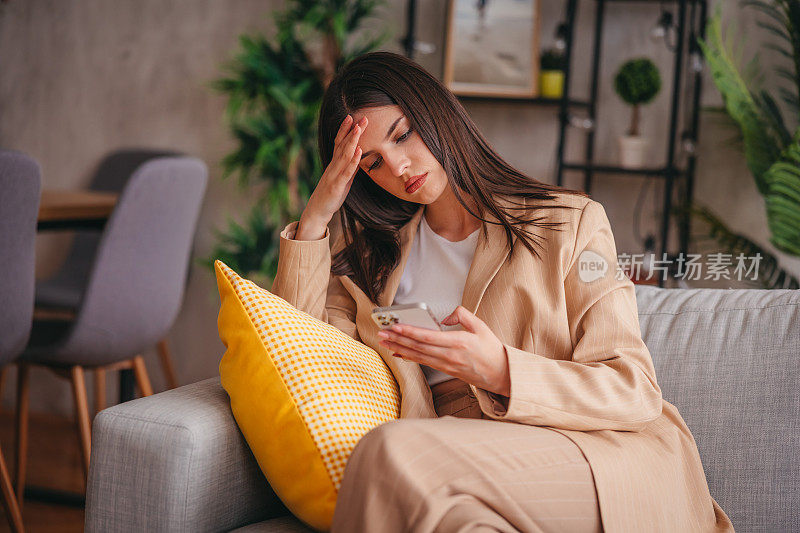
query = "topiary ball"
{"x": 637, "y": 81}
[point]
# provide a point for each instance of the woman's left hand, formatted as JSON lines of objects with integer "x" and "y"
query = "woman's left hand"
{"x": 474, "y": 355}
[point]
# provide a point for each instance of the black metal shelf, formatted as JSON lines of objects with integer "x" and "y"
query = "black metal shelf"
{"x": 690, "y": 23}
{"x": 611, "y": 169}
{"x": 537, "y": 100}
{"x": 642, "y": 1}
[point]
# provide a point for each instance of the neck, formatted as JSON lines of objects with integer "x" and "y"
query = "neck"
{"x": 449, "y": 219}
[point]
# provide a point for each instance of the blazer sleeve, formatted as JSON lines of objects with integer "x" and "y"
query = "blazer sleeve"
{"x": 610, "y": 381}
{"x": 304, "y": 280}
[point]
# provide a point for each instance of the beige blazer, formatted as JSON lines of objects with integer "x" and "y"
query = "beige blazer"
{"x": 577, "y": 360}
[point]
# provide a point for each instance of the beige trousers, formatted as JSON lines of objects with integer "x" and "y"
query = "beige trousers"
{"x": 461, "y": 473}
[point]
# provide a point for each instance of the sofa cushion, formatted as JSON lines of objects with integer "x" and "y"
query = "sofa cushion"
{"x": 174, "y": 462}
{"x": 302, "y": 392}
{"x": 729, "y": 360}
{"x": 284, "y": 524}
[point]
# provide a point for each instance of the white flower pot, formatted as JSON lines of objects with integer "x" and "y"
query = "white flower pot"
{"x": 633, "y": 151}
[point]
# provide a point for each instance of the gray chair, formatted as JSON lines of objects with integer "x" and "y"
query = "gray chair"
{"x": 20, "y": 187}
{"x": 66, "y": 288}
{"x": 61, "y": 295}
{"x": 134, "y": 291}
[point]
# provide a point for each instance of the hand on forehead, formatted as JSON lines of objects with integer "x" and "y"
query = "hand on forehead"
{"x": 381, "y": 124}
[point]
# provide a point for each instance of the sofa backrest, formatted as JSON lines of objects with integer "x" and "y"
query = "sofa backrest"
{"x": 729, "y": 360}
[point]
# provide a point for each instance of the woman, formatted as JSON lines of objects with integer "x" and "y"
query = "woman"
{"x": 429, "y": 212}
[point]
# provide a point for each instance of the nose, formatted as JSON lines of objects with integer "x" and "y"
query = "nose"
{"x": 397, "y": 163}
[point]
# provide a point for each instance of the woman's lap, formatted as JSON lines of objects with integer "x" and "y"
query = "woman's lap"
{"x": 456, "y": 474}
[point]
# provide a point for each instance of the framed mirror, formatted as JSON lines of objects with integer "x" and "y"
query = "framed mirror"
{"x": 492, "y": 48}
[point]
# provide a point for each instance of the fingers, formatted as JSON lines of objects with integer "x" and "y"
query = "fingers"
{"x": 343, "y": 129}
{"x": 352, "y": 166}
{"x": 355, "y": 135}
{"x": 411, "y": 354}
{"x": 462, "y": 316}
{"x": 352, "y": 139}
{"x": 445, "y": 339}
{"x": 407, "y": 342}
{"x": 348, "y": 136}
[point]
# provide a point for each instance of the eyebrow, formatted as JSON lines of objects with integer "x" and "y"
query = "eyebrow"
{"x": 388, "y": 134}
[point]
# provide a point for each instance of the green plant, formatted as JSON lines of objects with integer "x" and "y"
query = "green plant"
{"x": 274, "y": 89}
{"x": 771, "y": 150}
{"x": 637, "y": 82}
{"x": 552, "y": 59}
{"x": 770, "y": 274}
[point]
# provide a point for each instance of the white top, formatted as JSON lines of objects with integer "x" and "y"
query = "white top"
{"x": 435, "y": 274}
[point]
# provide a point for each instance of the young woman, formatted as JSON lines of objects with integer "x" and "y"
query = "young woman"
{"x": 541, "y": 329}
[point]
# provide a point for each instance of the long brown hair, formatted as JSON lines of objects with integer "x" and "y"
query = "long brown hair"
{"x": 371, "y": 217}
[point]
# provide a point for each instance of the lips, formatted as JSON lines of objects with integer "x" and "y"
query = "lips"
{"x": 415, "y": 183}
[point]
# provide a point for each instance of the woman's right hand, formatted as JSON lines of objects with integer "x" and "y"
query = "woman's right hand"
{"x": 333, "y": 186}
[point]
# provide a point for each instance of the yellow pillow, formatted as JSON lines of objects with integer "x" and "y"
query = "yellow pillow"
{"x": 302, "y": 392}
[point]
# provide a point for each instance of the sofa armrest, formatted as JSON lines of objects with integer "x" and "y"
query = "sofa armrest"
{"x": 175, "y": 461}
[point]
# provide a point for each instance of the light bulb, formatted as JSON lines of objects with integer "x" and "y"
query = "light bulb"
{"x": 657, "y": 33}
{"x": 662, "y": 27}
{"x": 561, "y": 37}
{"x": 581, "y": 123}
{"x": 424, "y": 48}
{"x": 696, "y": 62}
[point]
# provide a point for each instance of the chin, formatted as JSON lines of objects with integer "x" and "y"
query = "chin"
{"x": 423, "y": 199}
{"x": 431, "y": 195}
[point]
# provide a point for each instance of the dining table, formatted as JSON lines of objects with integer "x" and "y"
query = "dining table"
{"x": 71, "y": 210}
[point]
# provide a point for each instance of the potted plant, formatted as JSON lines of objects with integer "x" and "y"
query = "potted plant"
{"x": 637, "y": 82}
{"x": 551, "y": 77}
{"x": 770, "y": 133}
{"x": 274, "y": 87}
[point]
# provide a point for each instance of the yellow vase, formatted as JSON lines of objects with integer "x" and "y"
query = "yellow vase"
{"x": 551, "y": 84}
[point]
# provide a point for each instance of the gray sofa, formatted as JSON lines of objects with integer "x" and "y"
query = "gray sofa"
{"x": 728, "y": 359}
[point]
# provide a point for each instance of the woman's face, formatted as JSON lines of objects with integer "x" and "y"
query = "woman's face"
{"x": 397, "y": 159}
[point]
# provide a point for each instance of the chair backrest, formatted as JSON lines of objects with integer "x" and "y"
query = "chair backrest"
{"x": 729, "y": 360}
{"x": 137, "y": 281}
{"x": 117, "y": 167}
{"x": 69, "y": 283}
{"x": 20, "y": 190}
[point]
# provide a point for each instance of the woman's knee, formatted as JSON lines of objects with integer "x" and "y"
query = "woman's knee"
{"x": 385, "y": 440}
{"x": 387, "y": 450}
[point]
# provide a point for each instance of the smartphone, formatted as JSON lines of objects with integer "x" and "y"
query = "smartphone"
{"x": 417, "y": 314}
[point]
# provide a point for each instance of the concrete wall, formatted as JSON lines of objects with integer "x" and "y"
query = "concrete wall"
{"x": 80, "y": 78}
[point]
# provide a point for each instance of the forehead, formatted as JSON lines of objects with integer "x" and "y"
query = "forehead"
{"x": 378, "y": 115}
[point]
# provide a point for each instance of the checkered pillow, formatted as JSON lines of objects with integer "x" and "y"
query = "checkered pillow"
{"x": 302, "y": 392}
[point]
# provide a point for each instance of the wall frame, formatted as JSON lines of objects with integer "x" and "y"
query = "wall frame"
{"x": 492, "y": 48}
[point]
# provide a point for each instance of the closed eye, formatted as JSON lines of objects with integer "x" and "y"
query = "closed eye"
{"x": 375, "y": 164}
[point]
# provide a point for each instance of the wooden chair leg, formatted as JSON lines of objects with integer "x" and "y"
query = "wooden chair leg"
{"x": 142, "y": 380}
{"x": 82, "y": 415}
{"x": 21, "y": 451}
{"x": 13, "y": 514}
{"x": 166, "y": 364}
{"x": 99, "y": 390}
{"x": 3, "y": 373}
